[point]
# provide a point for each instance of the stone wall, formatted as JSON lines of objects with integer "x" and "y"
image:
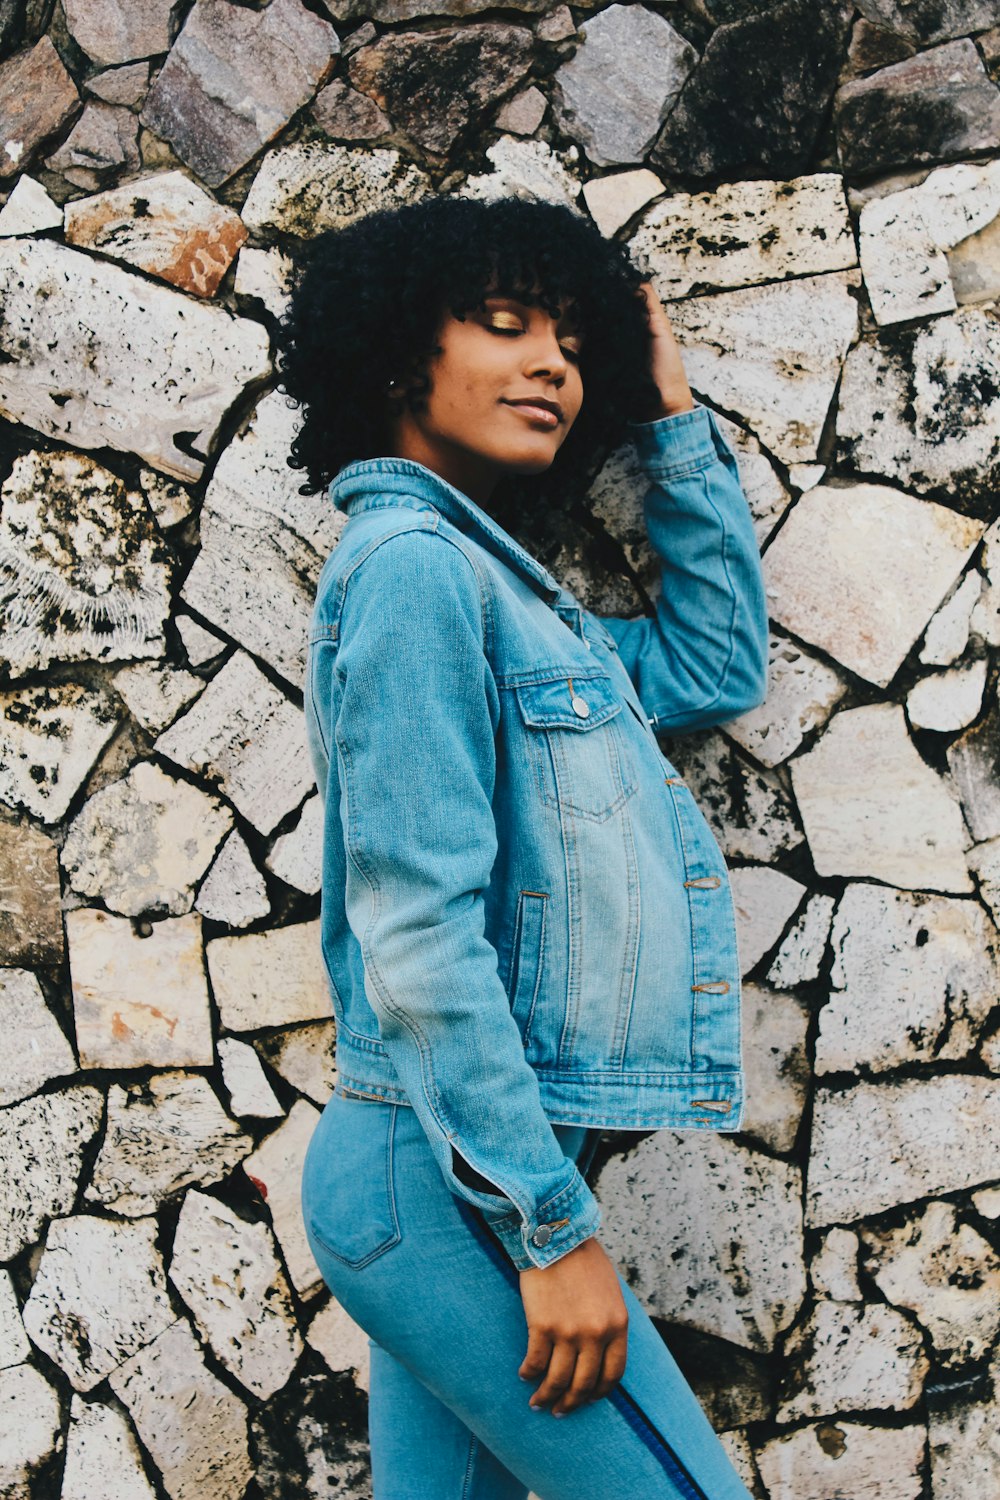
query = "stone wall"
{"x": 816, "y": 189}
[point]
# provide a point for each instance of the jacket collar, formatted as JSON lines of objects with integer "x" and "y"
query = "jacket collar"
{"x": 364, "y": 484}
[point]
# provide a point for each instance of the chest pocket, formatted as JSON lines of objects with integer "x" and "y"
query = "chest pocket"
{"x": 581, "y": 760}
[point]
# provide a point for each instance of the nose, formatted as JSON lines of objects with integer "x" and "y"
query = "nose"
{"x": 544, "y": 355}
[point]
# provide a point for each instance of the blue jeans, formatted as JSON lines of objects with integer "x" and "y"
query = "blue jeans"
{"x": 420, "y": 1271}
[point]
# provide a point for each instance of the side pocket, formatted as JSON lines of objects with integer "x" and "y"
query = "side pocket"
{"x": 529, "y": 952}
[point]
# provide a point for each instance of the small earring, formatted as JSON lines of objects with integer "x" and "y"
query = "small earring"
{"x": 391, "y": 386}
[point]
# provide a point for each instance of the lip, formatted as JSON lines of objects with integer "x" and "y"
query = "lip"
{"x": 540, "y": 408}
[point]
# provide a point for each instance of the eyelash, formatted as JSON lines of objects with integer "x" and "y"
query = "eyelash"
{"x": 573, "y": 354}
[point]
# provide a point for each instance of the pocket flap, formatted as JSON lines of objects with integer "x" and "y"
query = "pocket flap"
{"x": 549, "y": 704}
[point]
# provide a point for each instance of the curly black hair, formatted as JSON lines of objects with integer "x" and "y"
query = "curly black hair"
{"x": 368, "y": 300}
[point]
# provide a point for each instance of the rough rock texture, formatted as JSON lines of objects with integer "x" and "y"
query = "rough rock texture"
{"x": 158, "y": 366}
{"x": 435, "y": 84}
{"x": 622, "y": 82}
{"x": 84, "y": 572}
{"x": 814, "y": 192}
{"x": 138, "y": 1000}
{"x": 233, "y": 78}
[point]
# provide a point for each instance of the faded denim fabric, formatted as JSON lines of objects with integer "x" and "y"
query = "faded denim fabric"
{"x": 526, "y": 919}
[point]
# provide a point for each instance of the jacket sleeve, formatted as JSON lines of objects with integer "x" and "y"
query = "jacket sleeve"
{"x": 416, "y": 710}
{"x": 702, "y": 658}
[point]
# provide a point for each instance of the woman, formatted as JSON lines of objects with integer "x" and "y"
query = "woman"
{"x": 527, "y": 925}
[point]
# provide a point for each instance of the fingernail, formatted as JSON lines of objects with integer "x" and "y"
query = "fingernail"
{"x": 524, "y": 1377}
{"x": 558, "y": 1413}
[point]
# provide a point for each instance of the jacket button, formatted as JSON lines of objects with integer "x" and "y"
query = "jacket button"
{"x": 541, "y": 1236}
{"x": 581, "y": 707}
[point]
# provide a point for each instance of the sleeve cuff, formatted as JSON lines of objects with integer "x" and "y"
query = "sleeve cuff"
{"x": 675, "y": 445}
{"x": 557, "y": 1227}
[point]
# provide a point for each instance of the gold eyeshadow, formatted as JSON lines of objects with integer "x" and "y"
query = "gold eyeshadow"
{"x": 511, "y": 320}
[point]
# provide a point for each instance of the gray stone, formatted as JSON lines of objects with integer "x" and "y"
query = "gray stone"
{"x": 110, "y": 359}
{"x": 138, "y": 1001}
{"x": 776, "y": 1065}
{"x": 846, "y": 1357}
{"x": 229, "y": 1275}
{"x": 523, "y": 114}
{"x": 746, "y": 232}
{"x": 42, "y": 1141}
{"x": 166, "y": 225}
{"x": 234, "y": 78}
{"x": 858, "y": 570}
{"x": 162, "y": 1135}
{"x": 125, "y": 85}
{"x": 616, "y": 198}
{"x": 526, "y": 169}
{"x": 304, "y": 1056}
{"x": 873, "y": 47}
{"x": 262, "y": 544}
{"x": 272, "y": 978}
{"x": 200, "y": 645}
{"x": 974, "y": 759}
{"x": 818, "y": 1461}
{"x": 984, "y": 620}
{"x": 618, "y": 88}
{"x": 275, "y": 1169}
{"x": 103, "y": 1461}
{"x": 764, "y": 899}
{"x": 307, "y": 187}
{"x": 155, "y": 695}
{"x": 392, "y": 11}
{"x": 250, "y": 1094}
{"x": 946, "y": 1274}
{"x": 947, "y": 700}
{"x": 802, "y": 692}
{"x": 84, "y": 572}
{"x": 342, "y": 1344}
{"x": 36, "y": 1050}
{"x": 31, "y": 931}
{"x": 798, "y": 959}
{"x": 772, "y": 354}
{"x": 346, "y": 115}
{"x": 937, "y": 106}
{"x": 246, "y": 737}
{"x": 37, "y": 98}
{"x": 947, "y": 634}
{"x": 29, "y": 209}
{"x": 877, "y": 1145}
{"x": 297, "y": 856}
{"x": 14, "y": 1344}
{"x": 924, "y": 409}
{"x": 192, "y": 1426}
{"x": 103, "y": 144}
{"x": 234, "y": 891}
{"x": 833, "y": 1270}
{"x": 142, "y": 844}
{"x": 872, "y": 807}
{"x": 116, "y": 31}
{"x": 758, "y": 99}
{"x": 985, "y": 860}
{"x": 905, "y": 238}
{"x": 914, "y": 977}
{"x": 748, "y": 811}
{"x": 99, "y": 1295}
{"x": 436, "y": 84}
{"x": 168, "y": 499}
{"x": 49, "y": 739}
{"x": 708, "y": 1234}
{"x": 30, "y": 1432}
{"x": 927, "y": 21}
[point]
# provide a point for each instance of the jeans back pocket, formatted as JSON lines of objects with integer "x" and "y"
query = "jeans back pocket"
{"x": 348, "y": 1180}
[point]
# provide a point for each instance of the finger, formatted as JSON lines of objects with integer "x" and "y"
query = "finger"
{"x": 559, "y": 1375}
{"x": 612, "y": 1366}
{"x": 536, "y": 1360}
{"x": 585, "y": 1373}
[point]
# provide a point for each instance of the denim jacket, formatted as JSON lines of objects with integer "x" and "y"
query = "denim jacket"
{"x": 525, "y": 917}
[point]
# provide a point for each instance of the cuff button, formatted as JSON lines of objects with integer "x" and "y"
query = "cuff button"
{"x": 541, "y": 1236}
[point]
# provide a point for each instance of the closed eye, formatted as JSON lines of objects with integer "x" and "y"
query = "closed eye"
{"x": 510, "y": 323}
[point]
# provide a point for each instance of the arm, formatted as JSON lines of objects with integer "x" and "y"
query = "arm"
{"x": 415, "y": 716}
{"x": 702, "y": 658}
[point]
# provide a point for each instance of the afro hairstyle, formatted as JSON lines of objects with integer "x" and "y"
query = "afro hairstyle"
{"x": 369, "y": 298}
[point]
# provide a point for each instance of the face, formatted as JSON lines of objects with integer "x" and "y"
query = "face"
{"x": 488, "y": 411}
